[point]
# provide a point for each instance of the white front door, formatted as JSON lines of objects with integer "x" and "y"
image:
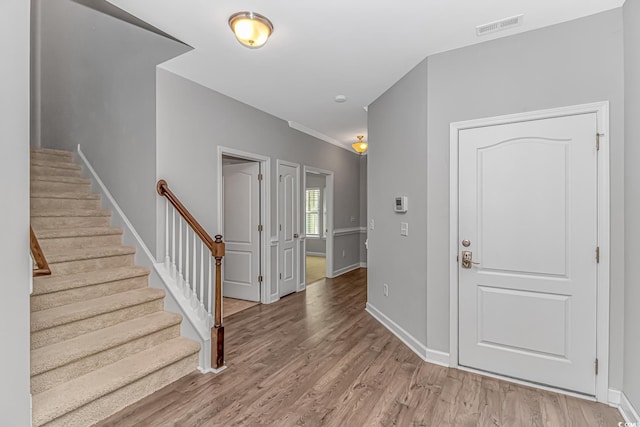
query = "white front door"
{"x": 288, "y": 228}
{"x": 241, "y": 234}
{"x": 528, "y": 209}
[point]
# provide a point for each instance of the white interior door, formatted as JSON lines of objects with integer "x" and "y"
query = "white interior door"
{"x": 242, "y": 238}
{"x": 288, "y": 228}
{"x": 528, "y": 208}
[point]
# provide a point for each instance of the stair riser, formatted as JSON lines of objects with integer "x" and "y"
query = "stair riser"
{"x": 74, "y": 329}
{"x": 57, "y": 376}
{"x": 80, "y": 266}
{"x": 70, "y": 296}
{"x": 60, "y": 187}
{"x": 108, "y": 405}
{"x": 42, "y": 203}
{"x": 37, "y": 170}
{"x": 52, "y": 157}
{"x": 47, "y": 222}
{"x": 64, "y": 243}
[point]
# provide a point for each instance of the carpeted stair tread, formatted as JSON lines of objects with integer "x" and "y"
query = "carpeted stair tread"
{"x": 53, "y": 152}
{"x": 88, "y": 253}
{"x": 61, "y": 178}
{"x": 55, "y": 164}
{"x": 48, "y": 284}
{"x": 56, "y": 233}
{"x": 69, "y": 396}
{"x": 57, "y": 316}
{"x": 66, "y": 195}
{"x": 71, "y": 213}
{"x": 62, "y": 353}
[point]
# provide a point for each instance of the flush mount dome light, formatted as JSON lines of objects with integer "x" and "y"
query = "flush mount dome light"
{"x": 251, "y": 29}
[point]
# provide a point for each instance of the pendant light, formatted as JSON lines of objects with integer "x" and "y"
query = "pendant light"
{"x": 360, "y": 146}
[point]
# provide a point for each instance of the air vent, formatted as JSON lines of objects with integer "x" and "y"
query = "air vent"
{"x": 503, "y": 24}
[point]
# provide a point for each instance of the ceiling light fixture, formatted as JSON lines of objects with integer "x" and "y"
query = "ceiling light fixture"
{"x": 360, "y": 146}
{"x": 251, "y": 29}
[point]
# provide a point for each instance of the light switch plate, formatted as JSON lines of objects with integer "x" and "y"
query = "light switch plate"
{"x": 404, "y": 228}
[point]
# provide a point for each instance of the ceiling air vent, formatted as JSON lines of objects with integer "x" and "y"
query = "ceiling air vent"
{"x": 503, "y": 24}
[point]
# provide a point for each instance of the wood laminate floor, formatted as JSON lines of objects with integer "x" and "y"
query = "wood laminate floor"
{"x": 316, "y": 358}
{"x": 231, "y": 306}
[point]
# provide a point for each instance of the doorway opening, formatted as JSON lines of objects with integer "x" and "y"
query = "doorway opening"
{"x": 243, "y": 204}
{"x": 318, "y": 224}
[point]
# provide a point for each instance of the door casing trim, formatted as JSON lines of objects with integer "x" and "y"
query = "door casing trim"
{"x": 601, "y": 109}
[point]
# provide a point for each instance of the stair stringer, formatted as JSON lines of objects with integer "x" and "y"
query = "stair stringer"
{"x": 195, "y": 325}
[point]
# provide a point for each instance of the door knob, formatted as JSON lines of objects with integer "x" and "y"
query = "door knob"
{"x": 295, "y": 236}
{"x": 467, "y": 259}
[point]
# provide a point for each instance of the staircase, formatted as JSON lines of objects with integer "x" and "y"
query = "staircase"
{"x": 100, "y": 338}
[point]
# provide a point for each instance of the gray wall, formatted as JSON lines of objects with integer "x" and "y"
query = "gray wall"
{"x": 193, "y": 121}
{"x": 318, "y": 246}
{"x": 98, "y": 90}
{"x": 397, "y": 159}
{"x": 363, "y": 207}
{"x": 550, "y": 67}
{"x": 631, "y": 385}
{"x": 14, "y": 245}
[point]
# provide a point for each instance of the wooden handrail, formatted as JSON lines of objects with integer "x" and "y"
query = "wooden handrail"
{"x": 163, "y": 189}
{"x": 217, "y": 252}
{"x": 38, "y": 256}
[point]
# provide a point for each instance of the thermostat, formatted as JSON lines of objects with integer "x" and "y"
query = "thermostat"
{"x": 401, "y": 205}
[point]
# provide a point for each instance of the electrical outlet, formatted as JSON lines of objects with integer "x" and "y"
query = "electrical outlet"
{"x": 372, "y": 224}
{"x": 385, "y": 289}
{"x": 344, "y": 253}
{"x": 404, "y": 228}
{"x": 353, "y": 218}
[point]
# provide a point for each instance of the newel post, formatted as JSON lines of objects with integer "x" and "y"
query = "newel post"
{"x": 217, "y": 332}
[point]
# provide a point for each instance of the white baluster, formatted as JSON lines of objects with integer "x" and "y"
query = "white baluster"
{"x": 180, "y": 274}
{"x": 194, "y": 274}
{"x": 210, "y": 287}
{"x": 201, "y": 296}
{"x": 173, "y": 243}
{"x": 186, "y": 259}
{"x": 167, "y": 261}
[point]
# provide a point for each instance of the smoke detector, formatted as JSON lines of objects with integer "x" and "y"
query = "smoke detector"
{"x": 501, "y": 25}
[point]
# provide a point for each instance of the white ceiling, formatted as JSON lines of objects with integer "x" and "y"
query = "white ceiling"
{"x": 322, "y": 48}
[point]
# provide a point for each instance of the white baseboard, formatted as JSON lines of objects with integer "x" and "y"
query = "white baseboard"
{"x": 629, "y": 413}
{"x": 212, "y": 370}
{"x": 397, "y": 330}
{"x": 345, "y": 270}
{"x": 614, "y": 397}
{"x": 437, "y": 357}
{"x": 363, "y": 264}
{"x": 428, "y": 355}
{"x": 322, "y": 254}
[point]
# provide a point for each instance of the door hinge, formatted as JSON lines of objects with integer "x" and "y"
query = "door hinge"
{"x": 457, "y": 258}
{"x": 280, "y": 275}
{"x": 598, "y": 255}
{"x": 280, "y": 227}
{"x": 280, "y": 177}
{"x": 259, "y": 177}
{"x": 598, "y": 136}
{"x": 260, "y": 279}
{"x": 259, "y": 227}
{"x": 596, "y": 366}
